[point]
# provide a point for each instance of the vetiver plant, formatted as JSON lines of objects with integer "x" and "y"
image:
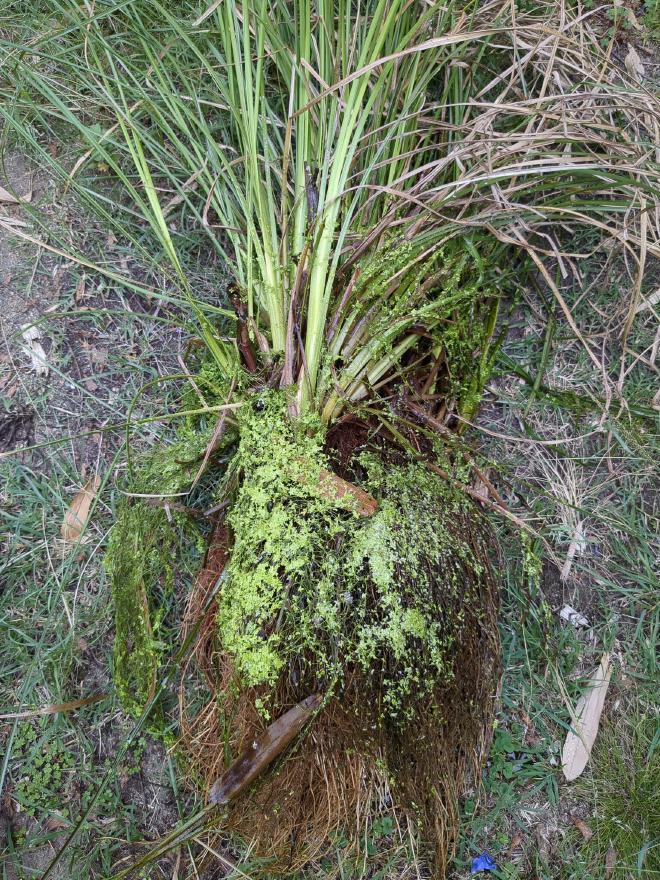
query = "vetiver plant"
{"x": 380, "y": 177}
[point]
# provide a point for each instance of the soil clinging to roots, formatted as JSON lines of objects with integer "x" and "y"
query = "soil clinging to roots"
{"x": 391, "y": 617}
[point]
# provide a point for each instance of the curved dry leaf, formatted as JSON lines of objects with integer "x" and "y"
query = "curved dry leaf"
{"x": 633, "y": 63}
{"x": 335, "y": 489}
{"x": 33, "y": 346}
{"x": 610, "y": 862}
{"x": 53, "y": 708}
{"x": 580, "y": 740}
{"x": 75, "y": 518}
{"x": 582, "y": 827}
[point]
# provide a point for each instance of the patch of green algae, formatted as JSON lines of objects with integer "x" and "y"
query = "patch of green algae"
{"x": 144, "y": 541}
{"x": 309, "y": 581}
{"x": 139, "y": 562}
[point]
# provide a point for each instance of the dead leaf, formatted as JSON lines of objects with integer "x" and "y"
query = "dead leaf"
{"x": 580, "y": 739}
{"x": 209, "y": 11}
{"x": 648, "y": 302}
{"x": 480, "y": 489}
{"x": 570, "y": 615}
{"x": 98, "y": 355}
{"x": 77, "y": 514}
{"x": 610, "y": 862}
{"x": 516, "y": 840}
{"x": 334, "y": 488}
{"x": 582, "y": 827}
{"x": 53, "y": 708}
{"x": 79, "y": 292}
{"x": 35, "y": 349}
{"x": 633, "y": 63}
{"x": 55, "y": 823}
{"x": 6, "y": 196}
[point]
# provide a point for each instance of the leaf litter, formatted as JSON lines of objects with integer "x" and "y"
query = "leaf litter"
{"x": 580, "y": 739}
{"x": 32, "y": 337}
{"x": 77, "y": 514}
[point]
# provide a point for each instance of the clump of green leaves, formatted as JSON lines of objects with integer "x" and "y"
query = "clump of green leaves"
{"x": 46, "y": 766}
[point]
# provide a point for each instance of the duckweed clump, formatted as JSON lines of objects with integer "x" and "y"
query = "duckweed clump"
{"x": 315, "y": 589}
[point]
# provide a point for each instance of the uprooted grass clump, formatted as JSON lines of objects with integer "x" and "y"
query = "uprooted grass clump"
{"x": 390, "y": 617}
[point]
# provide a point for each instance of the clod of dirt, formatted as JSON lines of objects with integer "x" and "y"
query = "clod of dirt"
{"x": 16, "y": 429}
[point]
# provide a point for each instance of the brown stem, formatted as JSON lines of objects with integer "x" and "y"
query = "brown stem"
{"x": 243, "y": 335}
{"x": 263, "y": 751}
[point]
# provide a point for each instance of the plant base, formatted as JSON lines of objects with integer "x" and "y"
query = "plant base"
{"x": 362, "y": 751}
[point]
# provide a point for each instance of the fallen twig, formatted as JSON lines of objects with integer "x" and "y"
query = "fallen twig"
{"x": 263, "y": 751}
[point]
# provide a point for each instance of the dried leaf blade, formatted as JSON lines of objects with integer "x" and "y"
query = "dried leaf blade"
{"x": 10, "y": 198}
{"x": 582, "y": 827}
{"x": 580, "y": 739}
{"x": 77, "y": 514}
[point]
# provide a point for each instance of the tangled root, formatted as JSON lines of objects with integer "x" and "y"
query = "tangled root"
{"x": 352, "y": 759}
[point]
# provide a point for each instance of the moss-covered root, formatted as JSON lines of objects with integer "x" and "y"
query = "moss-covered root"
{"x": 129, "y": 557}
{"x": 139, "y": 563}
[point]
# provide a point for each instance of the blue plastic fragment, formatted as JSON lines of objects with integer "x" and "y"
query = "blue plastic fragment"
{"x": 483, "y": 863}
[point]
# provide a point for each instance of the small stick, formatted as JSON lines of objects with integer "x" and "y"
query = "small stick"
{"x": 263, "y": 751}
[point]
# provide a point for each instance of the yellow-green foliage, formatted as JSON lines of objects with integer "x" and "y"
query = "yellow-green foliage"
{"x": 311, "y": 583}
